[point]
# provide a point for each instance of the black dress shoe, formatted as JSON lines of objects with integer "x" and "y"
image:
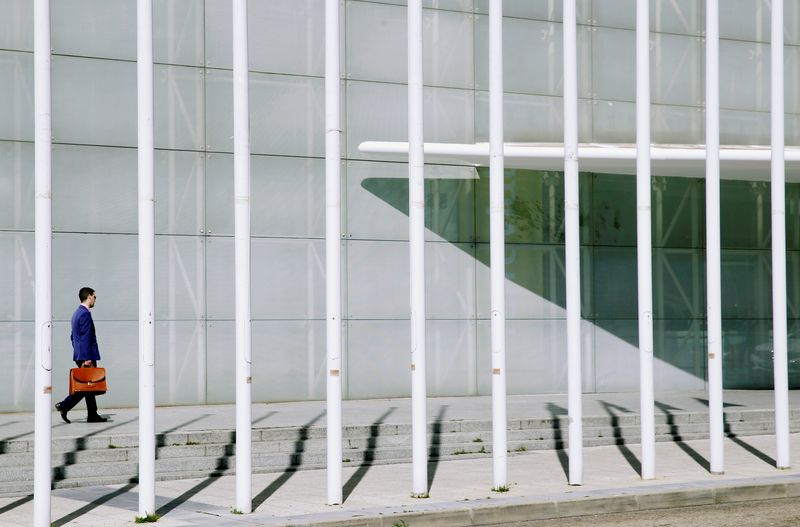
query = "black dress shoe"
{"x": 96, "y": 419}
{"x": 63, "y": 413}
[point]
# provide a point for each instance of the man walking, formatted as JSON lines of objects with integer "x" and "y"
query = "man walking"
{"x": 85, "y": 353}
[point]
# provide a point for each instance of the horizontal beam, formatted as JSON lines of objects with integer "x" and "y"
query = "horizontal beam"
{"x": 745, "y": 162}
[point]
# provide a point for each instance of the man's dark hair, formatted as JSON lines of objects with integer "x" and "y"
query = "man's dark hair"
{"x": 84, "y": 293}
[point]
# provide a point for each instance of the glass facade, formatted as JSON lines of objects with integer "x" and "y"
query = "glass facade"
{"x": 95, "y": 197}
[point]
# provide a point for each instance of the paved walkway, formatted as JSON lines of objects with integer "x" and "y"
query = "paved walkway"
{"x": 460, "y": 489}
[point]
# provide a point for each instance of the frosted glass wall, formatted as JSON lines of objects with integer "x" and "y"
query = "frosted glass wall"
{"x": 95, "y": 187}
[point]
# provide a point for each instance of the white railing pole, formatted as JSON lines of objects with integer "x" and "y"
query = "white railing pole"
{"x": 416, "y": 208}
{"x": 241, "y": 191}
{"x": 333, "y": 251}
{"x": 713, "y": 270}
{"x": 779, "y": 336}
{"x": 147, "y": 438}
{"x": 572, "y": 244}
{"x": 43, "y": 228}
{"x": 497, "y": 245}
{"x": 644, "y": 239}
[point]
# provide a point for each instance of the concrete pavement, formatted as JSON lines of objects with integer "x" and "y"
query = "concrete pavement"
{"x": 459, "y": 489}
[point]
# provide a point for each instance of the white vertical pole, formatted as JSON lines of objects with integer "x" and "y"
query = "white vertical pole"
{"x": 147, "y": 413}
{"x": 644, "y": 242}
{"x": 241, "y": 190}
{"x": 497, "y": 244}
{"x": 779, "y": 242}
{"x": 416, "y": 208}
{"x": 714, "y": 293}
{"x": 43, "y": 267}
{"x": 572, "y": 244}
{"x": 333, "y": 252}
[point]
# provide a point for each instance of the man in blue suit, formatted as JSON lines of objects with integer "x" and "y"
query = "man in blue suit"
{"x": 85, "y": 353}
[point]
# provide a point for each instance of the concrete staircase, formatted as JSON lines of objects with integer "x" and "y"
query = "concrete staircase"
{"x": 111, "y": 459}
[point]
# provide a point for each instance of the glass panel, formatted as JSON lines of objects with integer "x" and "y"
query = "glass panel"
{"x": 746, "y": 19}
{"x": 377, "y": 45}
{"x": 17, "y": 267}
{"x": 95, "y": 189}
{"x": 17, "y": 374}
{"x": 747, "y": 354}
{"x": 180, "y": 275}
{"x": 287, "y": 196}
{"x": 16, "y": 105}
{"x": 179, "y": 191}
{"x": 615, "y": 282}
{"x": 538, "y": 10}
{"x": 288, "y": 278}
{"x": 454, "y": 5}
{"x": 793, "y": 285}
{"x": 16, "y": 185}
{"x": 178, "y": 32}
{"x": 750, "y": 271}
{"x": 532, "y": 57}
{"x": 377, "y": 201}
{"x": 178, "y": 107}
{"x": 617, "y": 362}
{"x": 378, "y": 112}
{"x": 16, "y": 25}
{"x": 108, "y": 263}
{"x": 181, "y": 363}
{"x": 94, "y": 101}
{"x": 451, "y": 364}
{"x": 94, "y": 28}
{"x": 677, "y": 16}
{"x": 679, "y": 283}
{"x": 534, "y": 202}
{"x": 286, "y": 114}
{"x": 613, "y": 122}
{"x": 676, "y": 125}
{"x": 388, "y": 376}
{"x": 744, "y": 75}
{"x": 745, "y": 214}
{"x": 535, "y": 282}
{"x": 290, "y": 36}
{"x": 614, "y": 209}
{"x": 531, "y": 118}
{"x": 744, "y": 128}
{"x": 679, "y": 349}
{"x": 383, "y": 266}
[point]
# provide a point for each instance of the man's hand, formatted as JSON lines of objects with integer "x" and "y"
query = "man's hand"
{"x": 87, "y": 363}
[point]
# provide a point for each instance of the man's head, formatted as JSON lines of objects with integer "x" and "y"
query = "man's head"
{"x": 87, "y": 296}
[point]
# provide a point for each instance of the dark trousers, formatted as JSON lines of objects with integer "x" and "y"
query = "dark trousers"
{"x": 70, "y": 401}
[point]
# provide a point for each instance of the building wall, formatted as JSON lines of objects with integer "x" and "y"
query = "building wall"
{"x": 95, "y": 196}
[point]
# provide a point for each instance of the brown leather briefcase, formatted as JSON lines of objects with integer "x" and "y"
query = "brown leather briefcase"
{"x": 91, "y": 381}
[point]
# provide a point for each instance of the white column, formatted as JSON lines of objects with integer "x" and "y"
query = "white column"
{"x": 241, "y": 191}
{"x": 572, "y": 245}
{"x": 147, "y": 413}
{"x": 43, "y": 236}
{"x": 333, "y": 252}
{"x": 416, "y": 213}
{"x": 714, "y": 295}
{"x": 779, "y": 336}
{"x": 644, "y": 243}
{"x": 497, "y": 244}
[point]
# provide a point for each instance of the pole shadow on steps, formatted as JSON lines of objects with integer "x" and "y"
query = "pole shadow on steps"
{"x": 558, "y": 435}
{"x": 161, "y": 438}
{"x": 619, "y": 441}
{"x": 295, "y": 462}
{"x": 436, "y": 440}
{"x": 59, "y": 472}
{"x": 369, "y": 455}
{"x": 674, "y": 433}
{"x": 763, "y": 456}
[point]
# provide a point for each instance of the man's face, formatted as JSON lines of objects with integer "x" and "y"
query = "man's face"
{"x": 91, "y": 299}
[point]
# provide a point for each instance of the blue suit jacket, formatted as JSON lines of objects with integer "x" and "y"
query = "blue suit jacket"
{"x": 83, "y": 337}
